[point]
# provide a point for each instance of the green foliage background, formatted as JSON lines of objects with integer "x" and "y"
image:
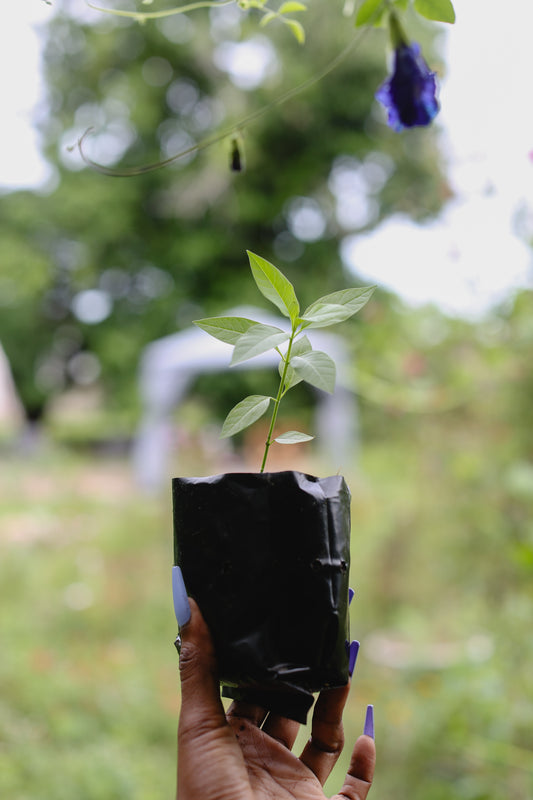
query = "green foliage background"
{"x": 170, "y": 245}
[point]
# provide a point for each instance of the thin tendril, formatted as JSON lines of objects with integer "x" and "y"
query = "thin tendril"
{"x": 142, "y": 16}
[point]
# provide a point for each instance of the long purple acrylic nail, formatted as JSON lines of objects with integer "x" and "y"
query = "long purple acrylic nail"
{"x": 182, "y": 608}
{"x": 350, "y": 595}
{"x": 368, "y": 730}
{"x": 353, "y": 650}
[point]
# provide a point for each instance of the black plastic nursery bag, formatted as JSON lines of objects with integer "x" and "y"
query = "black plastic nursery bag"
{"x": 266, "y": 557}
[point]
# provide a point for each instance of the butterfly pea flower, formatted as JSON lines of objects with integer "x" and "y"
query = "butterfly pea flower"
{"x": 410, "y": 94}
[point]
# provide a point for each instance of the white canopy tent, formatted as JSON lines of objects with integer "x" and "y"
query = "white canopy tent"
{"x": 11, "y": 410}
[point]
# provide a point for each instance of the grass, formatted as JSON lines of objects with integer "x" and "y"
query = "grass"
{"x": 88, "y": 666}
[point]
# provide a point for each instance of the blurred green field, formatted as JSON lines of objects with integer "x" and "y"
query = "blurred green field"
{"x": 442, "y": 564}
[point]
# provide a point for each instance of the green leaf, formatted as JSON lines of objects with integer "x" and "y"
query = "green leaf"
{"x": 368, "y": 12}
{"x": 293, "y": 437}
{"x": 316, "y": 368}
{"x": 402, "y": 4}
{"x": 297, "y": 29}
{"x": 227, "y": 329}
{"x": 336, "y": 307}
{"x": 273, "y": 285}
{"x": 291, "y": 7}
{"x": 301, "y": 345}
{"x": 324, "y": 314}
{"x": 268, "y": 17}
{"x": 352, "y": 299}
{"x": 291, "y": 378}
{"x": 438, "y": 10}
{"x": 246, "y": 4}
{"x": 244, "y": 414}
{"x": 258, "y": 339}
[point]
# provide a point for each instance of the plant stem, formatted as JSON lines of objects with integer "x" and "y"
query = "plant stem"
{"x": 277, "y": 401}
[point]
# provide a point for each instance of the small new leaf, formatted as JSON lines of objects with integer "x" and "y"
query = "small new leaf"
{"x": 244, "y": 414}
{"x": 268, "y": 17}
{"x": 227, "y": 329}
{"x": 258, "y": 339}
{"x": 273, "y": 285}
{"x": 297, "y": 29}
{"x": 316, "y": 368}
{"x": 438, "y": 10}
{"x": 293, "y": 437}
{"x": 369, "y": 13}
{"x": 291, "y": 7}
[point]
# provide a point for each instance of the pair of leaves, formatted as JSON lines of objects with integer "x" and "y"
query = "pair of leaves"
{"x": 289, "y": 7}
{"x": 251, "y": 339}
{"x": 328, "y": 310}
{"x": 312, "y": 366}
{"x": 249, "y": 411}
{"x": 371, "y": 12}
{"x": 248, "y": 338}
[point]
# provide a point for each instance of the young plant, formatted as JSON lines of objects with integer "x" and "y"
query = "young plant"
{"x": 298, "y": 361}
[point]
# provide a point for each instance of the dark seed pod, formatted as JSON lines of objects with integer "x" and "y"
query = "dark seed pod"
{"x": 237, "y": 162}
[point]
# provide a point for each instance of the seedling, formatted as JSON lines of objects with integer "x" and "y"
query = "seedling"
{"x": 298, "y": 361}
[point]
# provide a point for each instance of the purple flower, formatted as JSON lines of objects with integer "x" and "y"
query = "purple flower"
{"x": 409, "y": 95}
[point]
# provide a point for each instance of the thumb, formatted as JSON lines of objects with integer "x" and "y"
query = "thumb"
{"x": 201, "y": 706}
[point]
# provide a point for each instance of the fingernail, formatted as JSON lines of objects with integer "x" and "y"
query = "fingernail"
{"x": 368, "y": 730}
{"x": 182, "y": 608}
{"x": 350, "y": 595}
{"x": 352, "y": 651}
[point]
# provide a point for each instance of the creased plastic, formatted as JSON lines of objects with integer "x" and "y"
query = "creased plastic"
{"x": 267, "y": 556}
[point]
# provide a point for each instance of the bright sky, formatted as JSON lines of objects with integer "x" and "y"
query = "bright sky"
{"x": 475, "y": 253}
{"x": 20, "y": 162}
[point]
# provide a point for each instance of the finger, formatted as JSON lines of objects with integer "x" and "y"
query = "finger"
{"x": 281, "y": 729}
{"x": 327, "y": 735}
{"x": 210, "y": 761}
{"x": 201, "y": 706}
{"x": 361, "y": 772}
{"x": 239, "y": 710}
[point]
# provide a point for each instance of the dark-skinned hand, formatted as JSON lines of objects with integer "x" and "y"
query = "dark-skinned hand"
{"x": 246, "y": 754}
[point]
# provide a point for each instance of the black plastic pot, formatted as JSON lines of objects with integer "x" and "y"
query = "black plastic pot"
{"x": 266, "y": 557}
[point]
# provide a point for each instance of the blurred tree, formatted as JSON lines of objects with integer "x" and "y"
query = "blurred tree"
{"x": 100, "y": 266}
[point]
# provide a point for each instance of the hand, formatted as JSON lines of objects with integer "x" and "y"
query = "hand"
{"x": 246, "y": 754}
